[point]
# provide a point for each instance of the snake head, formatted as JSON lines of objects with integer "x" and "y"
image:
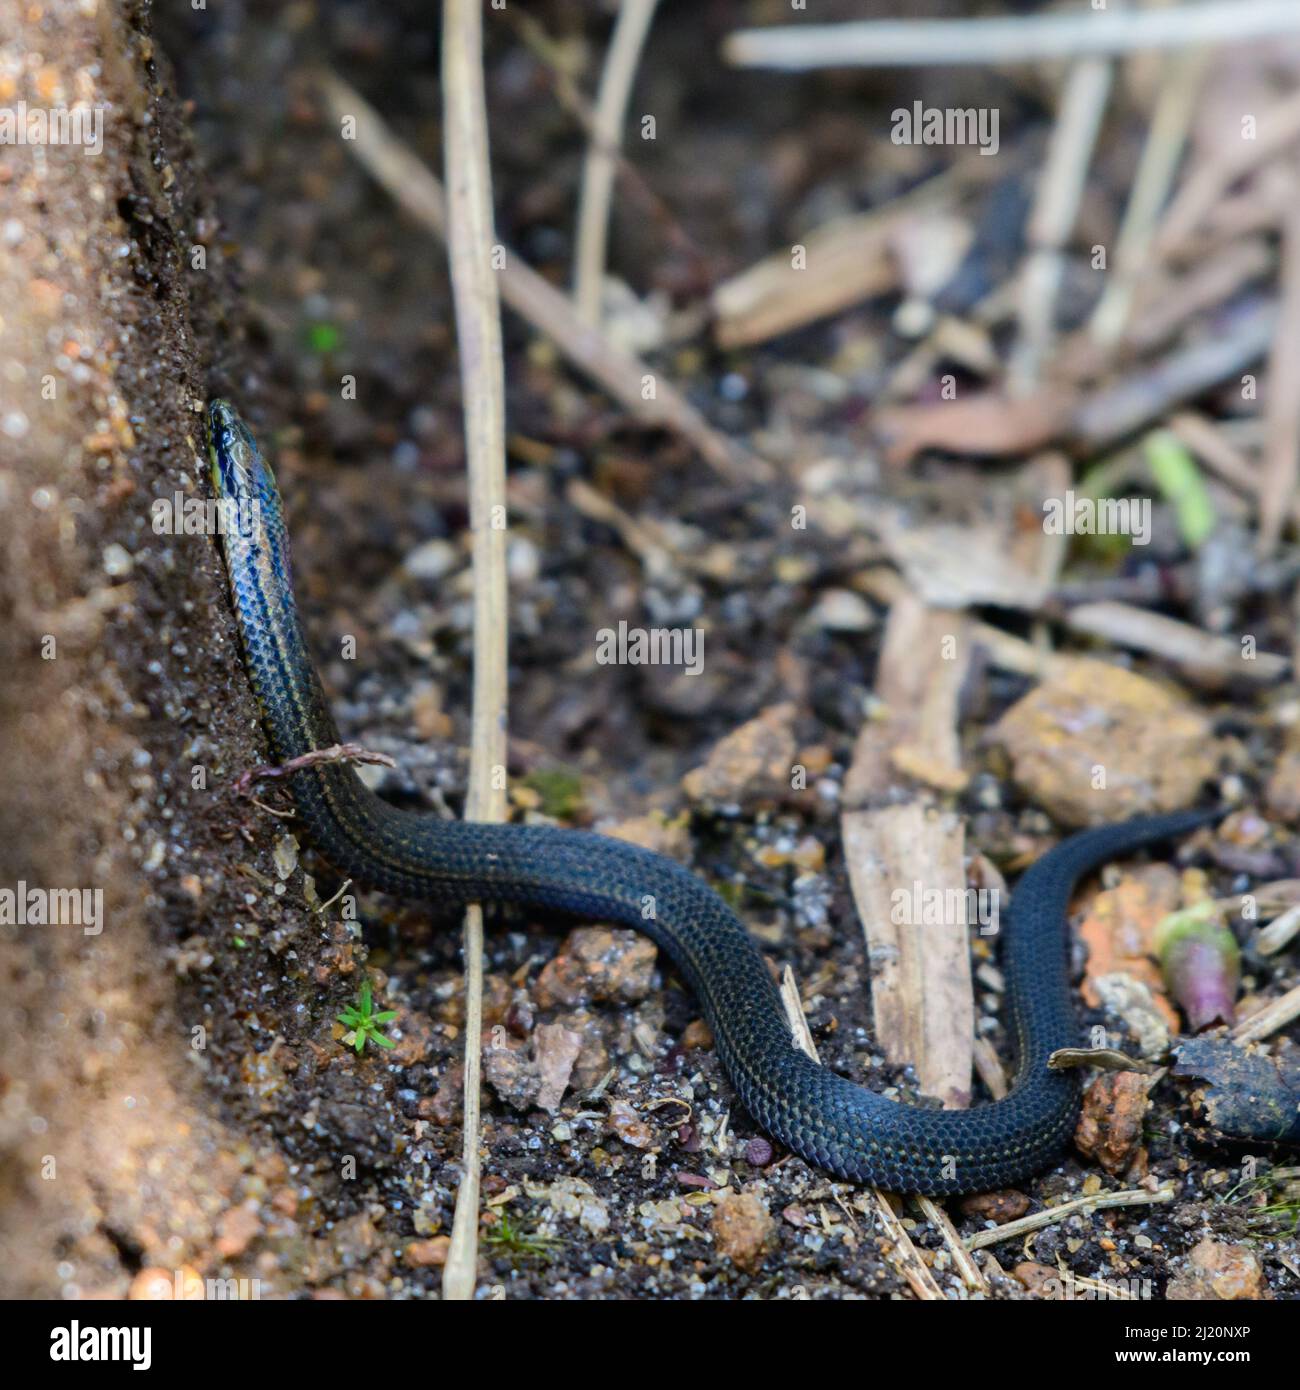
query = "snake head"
{"x": 241, "y": 477}
{"x": 239, "y": 471}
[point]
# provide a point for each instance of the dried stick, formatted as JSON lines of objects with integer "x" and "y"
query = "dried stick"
{"x": 625, "y": 377}
{"x": 970, "y": 1272}
{"x": 535, "y": 38}
{"x": 1282, "y": 413}
{"x": 1274, "y": 1015}
{"x": 1165, "y": 142}
{"x": 630, "y": 30}
{"x": 1278, "y": 127}
{"x": 1022, "y": 39}
{"x": 1135, "y": 1197}
{"x": 470, "y": 241}
{"x": 1056, "y": 206}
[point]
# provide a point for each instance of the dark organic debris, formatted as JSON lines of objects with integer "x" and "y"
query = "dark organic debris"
{"x": 1249, "y": 1095}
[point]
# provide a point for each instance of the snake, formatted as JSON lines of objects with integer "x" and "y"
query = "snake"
{"x": 845, "y": 1129}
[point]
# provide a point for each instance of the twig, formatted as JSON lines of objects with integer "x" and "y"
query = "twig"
{"x": 1205, "y": 439}
{"x": 624, "y": 376}
{"x": 1165, "y": 305}
{"x": 535, "y": 38}
{"x": 1023, "y": 39}
{"x": 630, "y": 30}
{"x": 1056, "y": 206}
{"x": 1280, "y": 932}
{"x": 1282, "y": 412}
{"x": 845, "y": 261}
{"x": 1135, "y": 1197}
{"x": 470, "y": 241}
{"x": 1277, "y": 128}
{"x": 970, "y": 1272}
{"x": 801, "y": 1033}
{"x": 1235, "y": 340}
{"x": 908, "y": 1262}
{"x": 1269, "y": 1019}
{"x": 989, "y": 1066}
{"x": 335, "y": 753}
{"x": 1198, "y": 652}
{"x": 1166, "y": 139}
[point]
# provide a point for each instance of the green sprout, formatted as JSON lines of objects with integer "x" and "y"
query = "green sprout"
{"x": 363, "y": 1023}
{"x": 517, "y": 1244}
{"x": 323, "y": 338}
{"x": 1180, "y": 482}
{"x": 560, "y": 790}
{"x": 1273, "y": 1201}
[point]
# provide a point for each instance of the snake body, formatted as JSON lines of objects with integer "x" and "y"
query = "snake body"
{"x": 827, "y": 1119}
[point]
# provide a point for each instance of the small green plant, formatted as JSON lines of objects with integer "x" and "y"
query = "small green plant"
{"x": 517, "y": 1244}
{"x": 363, "y": 1022}
{"x": 560, "y": 790}
{"x": 323, "y": 337}
{"x": 1273, "y": 1202}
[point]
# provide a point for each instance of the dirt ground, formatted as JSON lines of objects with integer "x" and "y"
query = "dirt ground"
{"x": 176, "y": 1099}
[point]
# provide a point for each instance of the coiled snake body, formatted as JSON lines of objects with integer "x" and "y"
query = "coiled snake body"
{"x": 832, "y": 1122}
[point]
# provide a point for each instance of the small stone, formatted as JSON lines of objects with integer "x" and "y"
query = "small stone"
{"x": 577, "y": 1200}
{"x": 998, "y": 1207}
{"x": 444, "y": 1106}
{"x": 285, "y": 856}
{"x": 697, "y": 1034}
{"x": 557, "y": 1050}
{"x": 285, "y": 1201}
{"x": 597, "y": 964}
{"x": 417, "y": 1037}
{"x": 1156, "y": 748}
{"x": 158, "y": 1285}
{"x": 809, "y": 855}
{"x": 758, "y": 1152}
{"x": 236, "y": 1229}
{"x": 523, "y": 563}
{"x": 743, "y": 1229}
{"x": 1041, "y": 1280}
{"x": 593, "y": 1059}
{"x": 753, "y": 762}
{"x": 427, "y": 1254}
{"x": 117, "y": 561}
{"x": 1216, "y": 1270}
{"x": 433, "y": 560}
{"x": 841, "y": 610}
{"x": 509, "y": 1068}
{"x": 654, "y": 832}
{"x": 629, "y": 1126}
{"x": 431, "y": 721}
{"x": 1110, "y": 1125}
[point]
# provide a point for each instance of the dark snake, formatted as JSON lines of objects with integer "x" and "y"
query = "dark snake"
{"x": 830, "y": 1121}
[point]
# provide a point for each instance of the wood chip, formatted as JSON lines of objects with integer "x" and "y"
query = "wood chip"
{"x": 922, "y": 998}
